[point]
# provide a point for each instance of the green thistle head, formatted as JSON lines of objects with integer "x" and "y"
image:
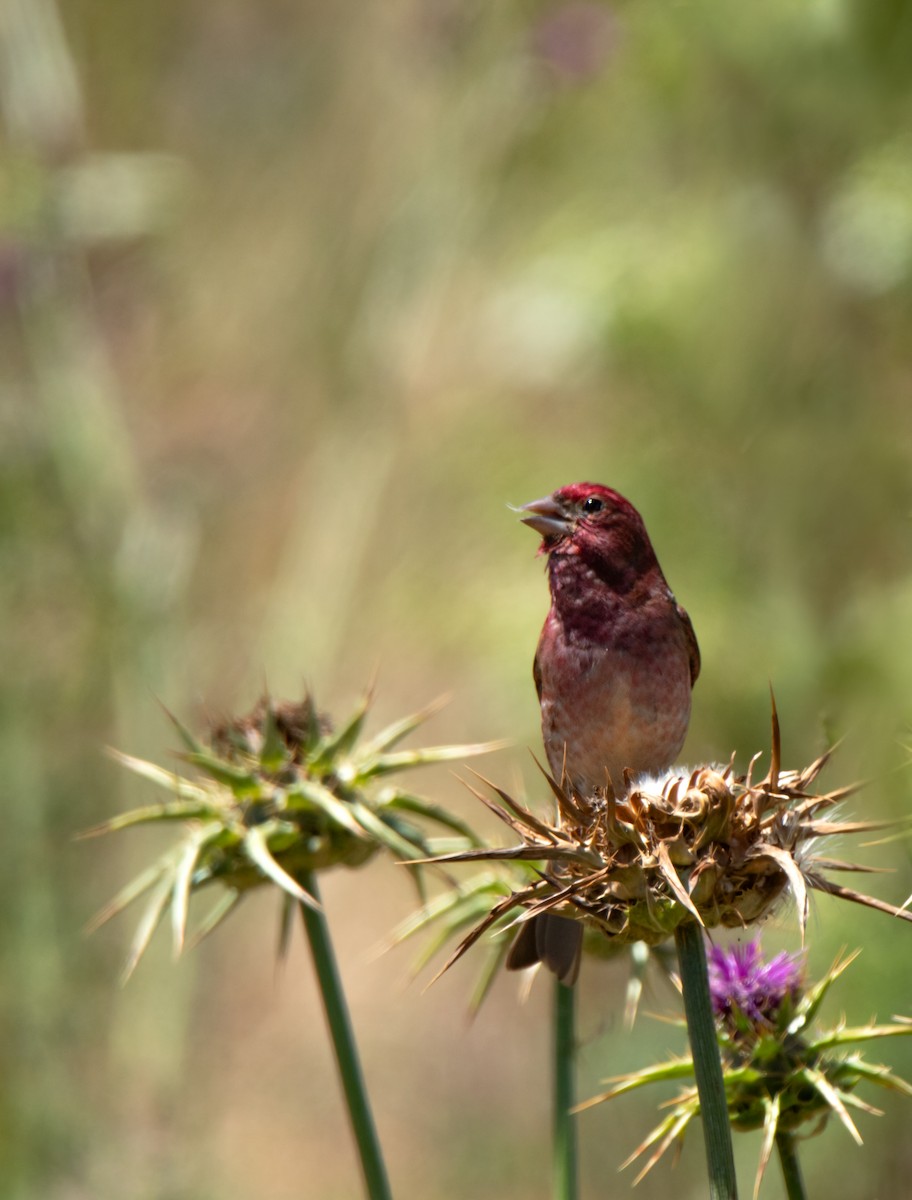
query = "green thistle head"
{"x": 277, "y": 795}
{"x": 781, "y": 1073}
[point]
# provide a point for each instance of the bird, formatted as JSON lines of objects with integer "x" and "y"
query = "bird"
{"x": 614, "y": 669}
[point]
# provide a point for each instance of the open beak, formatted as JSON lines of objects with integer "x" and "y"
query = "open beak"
{"x": 546, "y": 517}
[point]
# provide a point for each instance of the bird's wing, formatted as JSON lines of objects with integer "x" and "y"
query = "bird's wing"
{"x": 550, "y": 939}
{"x": 693, "y": 649}
{"x": 537, "y": 673}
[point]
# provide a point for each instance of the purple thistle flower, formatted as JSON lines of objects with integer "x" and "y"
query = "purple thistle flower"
{"x": 742, "y": 984}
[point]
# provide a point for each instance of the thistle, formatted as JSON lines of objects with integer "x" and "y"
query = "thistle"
{"x": 278, "y": 795}
{"x": 781, "y": 1073}
{"x": 705, "y": 845}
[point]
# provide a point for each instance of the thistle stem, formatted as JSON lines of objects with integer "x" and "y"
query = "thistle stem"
{"x": 564, "y": 1141}
{"x": 791, "y": 1168}
{"x": 362, "y": 1122}
{"x": 701, "y": 1030}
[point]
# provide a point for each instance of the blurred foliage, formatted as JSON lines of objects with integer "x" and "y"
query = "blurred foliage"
{"x": 293, "y": 299}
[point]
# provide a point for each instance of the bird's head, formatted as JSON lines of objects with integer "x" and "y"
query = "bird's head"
{"x": 591, "y": 521}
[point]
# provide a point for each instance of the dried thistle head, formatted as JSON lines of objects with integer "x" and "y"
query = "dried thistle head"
{"x": 781, "y": 1073}
{"x": 704, "y": 844}
{"x": 279, "y": 794}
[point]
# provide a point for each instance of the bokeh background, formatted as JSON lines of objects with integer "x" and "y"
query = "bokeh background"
{"x": 294, "y": 298}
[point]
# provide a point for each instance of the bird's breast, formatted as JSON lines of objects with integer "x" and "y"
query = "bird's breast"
{"x": 624, "y": 704}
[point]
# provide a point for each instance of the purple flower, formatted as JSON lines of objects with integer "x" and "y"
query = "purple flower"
{"x": 743, "y": 985}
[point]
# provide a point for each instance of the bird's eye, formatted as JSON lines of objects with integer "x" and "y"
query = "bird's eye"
{"x": 592, "y": 504}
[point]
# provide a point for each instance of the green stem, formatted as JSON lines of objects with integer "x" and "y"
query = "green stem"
{"x": 564, "y": 1167}
{"x": 791, "y": 1168}
{"x": 343, "y": 1039}
{"x": 701, "y": 1030}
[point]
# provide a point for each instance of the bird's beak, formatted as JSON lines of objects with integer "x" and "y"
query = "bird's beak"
{"x": 547, "y": 517}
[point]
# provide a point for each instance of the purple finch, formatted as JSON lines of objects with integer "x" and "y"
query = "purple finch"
{"x": 615, "y": 665}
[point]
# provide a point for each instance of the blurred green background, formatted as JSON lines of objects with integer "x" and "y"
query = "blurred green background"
{"x": 294, "y": 298}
